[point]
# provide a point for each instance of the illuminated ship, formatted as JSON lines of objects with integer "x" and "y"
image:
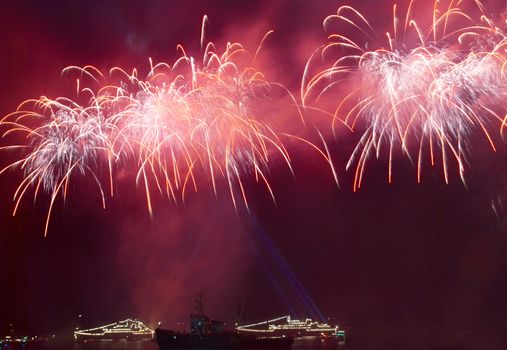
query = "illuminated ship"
{"x": 285, "y": 326}
{"x": 8, "y": 342}
{"x": 209, "y": 334}
{"x": 128, "y": 329}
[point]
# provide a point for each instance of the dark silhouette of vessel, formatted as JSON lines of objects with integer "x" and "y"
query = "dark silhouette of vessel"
{"x": 210, "y": 334}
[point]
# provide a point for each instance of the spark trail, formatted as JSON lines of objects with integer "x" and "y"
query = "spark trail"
{"x": 429, "y": 88}
{"x": 197, "y": 115}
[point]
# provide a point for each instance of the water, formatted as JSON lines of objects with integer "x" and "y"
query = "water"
{"x": 299, "y": 344}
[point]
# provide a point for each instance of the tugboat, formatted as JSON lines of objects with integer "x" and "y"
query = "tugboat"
{"x": 210, "y": 334}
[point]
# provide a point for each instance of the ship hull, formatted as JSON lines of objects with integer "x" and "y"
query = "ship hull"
{"x": 255, "y": 342}
{"x": 170, "y": 340}
{"x": 167, "y": 339}
{"x": 112, "y": 337}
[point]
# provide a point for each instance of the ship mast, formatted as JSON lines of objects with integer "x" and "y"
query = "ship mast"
{"x": 199, "y": 308}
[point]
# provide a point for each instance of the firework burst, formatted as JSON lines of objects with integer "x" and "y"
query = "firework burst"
{"x": 431, "y": 88}
{"x": 204, "y": 115}
{"x": 232, "y": 136}
{"x": 61, "y": 139}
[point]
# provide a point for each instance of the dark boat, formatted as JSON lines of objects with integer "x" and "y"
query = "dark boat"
{"x": 209, "y": 334}
{"x": 255, "y": 342}
{"x": 167, "y": 339}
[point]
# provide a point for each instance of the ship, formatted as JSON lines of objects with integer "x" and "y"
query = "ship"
{"x": 289, "y": 327}
{"x": 11, "y": 342}
{"x": 211, "y": 334}
{"x": 129, "y": 330}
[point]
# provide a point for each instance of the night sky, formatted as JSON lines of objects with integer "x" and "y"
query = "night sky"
{"x": 402, "y": 259}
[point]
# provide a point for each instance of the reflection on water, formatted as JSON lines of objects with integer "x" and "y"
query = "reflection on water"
{"x": 299, "y": 344}
{"x": 70, "y": 345}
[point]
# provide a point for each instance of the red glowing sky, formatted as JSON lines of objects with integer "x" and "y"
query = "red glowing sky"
{"x": 404, "y": 255}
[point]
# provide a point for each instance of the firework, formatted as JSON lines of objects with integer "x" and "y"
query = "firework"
{"x": 231, "y": 136}
{"x": 192, "y": 115}
{"x": 153, "y": 122}
{"x": 62, "y": 139}
{"x": 429, "y": 88}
